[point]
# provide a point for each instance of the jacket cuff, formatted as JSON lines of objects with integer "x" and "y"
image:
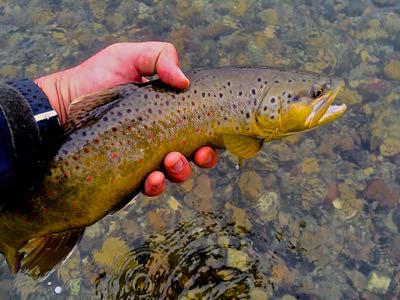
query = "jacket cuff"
{"x": 45, "y": 116}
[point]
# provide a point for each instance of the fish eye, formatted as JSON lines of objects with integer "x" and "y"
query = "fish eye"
{"x": 317, "y": 93}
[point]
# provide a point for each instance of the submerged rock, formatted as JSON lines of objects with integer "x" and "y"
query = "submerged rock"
{"x": 392, "y": 69}
{"x": 378, "y": 282}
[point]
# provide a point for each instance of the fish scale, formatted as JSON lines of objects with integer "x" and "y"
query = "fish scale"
{"x": 120, "y": 135}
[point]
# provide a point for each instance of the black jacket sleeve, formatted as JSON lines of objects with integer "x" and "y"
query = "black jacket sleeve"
{"x": 23, "y": 140}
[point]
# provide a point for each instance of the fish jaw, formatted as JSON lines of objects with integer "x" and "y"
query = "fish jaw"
{"x": 323, "y": 111}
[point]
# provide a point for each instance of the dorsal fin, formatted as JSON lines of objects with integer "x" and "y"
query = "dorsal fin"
{"x": 91, "y": 107}
{"x": 43, "y": 253}
{"x": 242, "y": 146}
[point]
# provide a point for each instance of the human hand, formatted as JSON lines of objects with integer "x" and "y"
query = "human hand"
{"x": 118, "y": 64}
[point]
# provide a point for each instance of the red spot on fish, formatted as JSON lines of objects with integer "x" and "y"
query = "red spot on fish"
{"x": 45, "y": 210}
{"x": 129, "y": 128}
{"x": 77, "y": 167}
{"x": 141, "y": 160}
{"x": 114, "y": 155}
{"x": 86, "y": 150}
{"x": 75, "y": 157}
{"x": 209, "y": 114}
{"x": 89, "y": 178}
{"x": 149, "y": 136}
{"x": 74, "y": 203}
{"x": 184, "y": 142}
{"x": 66, "y": 173}
{"x": 197, "y": 130}
{"x": 96, "y": 141}
{"x": 51, "y": 193}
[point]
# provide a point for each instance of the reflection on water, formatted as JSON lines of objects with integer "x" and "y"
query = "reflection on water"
{"x": 313, "y": 217}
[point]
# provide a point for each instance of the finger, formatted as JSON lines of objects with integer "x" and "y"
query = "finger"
{"x": 206, "y": 157}
{"x": 168, "y": 70}
{"x": 177, "y": 167}
{"x": 154, "y": 184}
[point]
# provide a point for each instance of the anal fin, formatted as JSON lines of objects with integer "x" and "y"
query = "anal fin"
{"x": 43, "y": 253}
{"x": 241, "y": 145}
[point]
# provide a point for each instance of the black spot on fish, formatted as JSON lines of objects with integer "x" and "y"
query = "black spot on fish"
{"x": 240, "y": 93}
{"x": 193, "y": 103}
{"x": 221, "y": 95}
{"x": 265, "y": 108}
{"x": 145, "y": 96}
{"x": 259, "y": 79}
{"x": 234, "y": 106}
{"x": 105, "y": 119}
{"x": 272, "y": 117}
{"x": 167, "y": 103}
{"x": 83, "y": 133}
{"x": 195, "y": 91}
{"x": 114, "y": 129}
{"x": 209, "y": 94}
{"x": 150, "y": 110}
{"x": 129, "y": 110}
{"x": 289, "y": 95}
{"x": 276, "y": 81}
{"x": 157, "y": 96}
{"x": 229, "y": 83}
{"x": 119, "y": 114}
{"x": 230, "y": 91}
{"x": 203, "y": 94}
{"x": 284, "y": 93}
{"x": 241, "y": 112}
{"x": 265, "y": 82}
{"x": 255, "y": 102}
{"x": 140, "y": 119}
{"x": 225, "y": 118}
{"x": 273, "y": 100}
{"x": 253, "y": 91}
{"x": 159, "y": 111}
{"x": 247, "y": 115}
{"x": 290, "y": 80}
{"x": 237, "y": 128}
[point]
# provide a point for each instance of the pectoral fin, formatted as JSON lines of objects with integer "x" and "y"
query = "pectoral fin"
{"x": 43, "y": 253}
{"x": 242, "y": 146}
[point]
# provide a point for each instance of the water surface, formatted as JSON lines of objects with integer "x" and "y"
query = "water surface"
{"x": 316, "y": 216}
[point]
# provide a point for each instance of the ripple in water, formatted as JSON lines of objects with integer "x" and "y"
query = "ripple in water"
{"x": 204, "y": 260}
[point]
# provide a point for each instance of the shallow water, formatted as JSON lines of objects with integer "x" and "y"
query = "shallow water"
{"x": 316, "y": 216}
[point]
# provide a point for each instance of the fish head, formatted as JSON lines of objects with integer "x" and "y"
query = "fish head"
{"x": 296, "y": 102}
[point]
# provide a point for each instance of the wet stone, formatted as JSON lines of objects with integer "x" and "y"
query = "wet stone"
{"x": 378, "y": 282}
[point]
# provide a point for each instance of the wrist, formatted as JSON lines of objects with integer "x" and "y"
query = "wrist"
{"x": 57, "y": 87}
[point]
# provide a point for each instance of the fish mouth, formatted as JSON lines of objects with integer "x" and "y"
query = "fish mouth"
{"x": 323, "y": 111}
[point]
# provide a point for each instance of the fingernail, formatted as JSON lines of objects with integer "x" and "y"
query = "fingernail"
{"x": 208, "y": 159}
{"x": 178, "y": 166}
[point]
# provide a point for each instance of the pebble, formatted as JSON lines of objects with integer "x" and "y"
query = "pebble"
{"x": 378, "y": 283}
{"x": 237, "y": 259}
{"x": 392, "y": 69}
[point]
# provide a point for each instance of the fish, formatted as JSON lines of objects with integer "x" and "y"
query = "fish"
{"x": 118, "y": 136}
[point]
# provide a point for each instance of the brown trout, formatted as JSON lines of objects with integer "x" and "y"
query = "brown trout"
{"x": 122, "y": 134}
